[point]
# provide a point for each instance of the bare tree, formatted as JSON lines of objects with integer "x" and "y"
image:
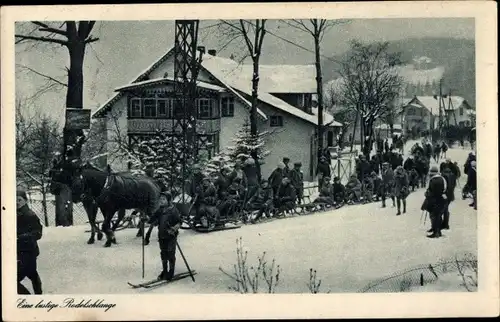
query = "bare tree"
{"x": 75, "y": 36}
{"x": 38, "y": 138}
{"x": 317, "y": 29}
{"x": 253, "y": 35}
{"x": 370, "y": 84}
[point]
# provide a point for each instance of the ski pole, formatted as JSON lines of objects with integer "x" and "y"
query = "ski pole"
{"x": 185, "y": 261}
{"x": 425, "y": 218}
{"x": 143, "y": 225}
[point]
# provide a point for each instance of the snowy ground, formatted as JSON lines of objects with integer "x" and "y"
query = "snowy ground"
{"x": 349, "y": 247}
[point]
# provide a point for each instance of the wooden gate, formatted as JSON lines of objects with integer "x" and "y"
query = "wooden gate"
{"x": 343, "y": 167}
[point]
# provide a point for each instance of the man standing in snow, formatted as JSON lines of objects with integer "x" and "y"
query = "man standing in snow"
{"x": 169, "y": 220}
{"x": 323, "y": 170}
{"x": 435, "y": 201}
{"x": 297, "y": 178}
{"x": 451, "y": 182}
{"x": 29, "y": 231}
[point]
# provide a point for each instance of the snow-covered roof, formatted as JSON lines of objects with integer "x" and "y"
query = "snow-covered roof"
{"x": 432, "y": 104}
{"x": 283, "y": 78}
{"x": 231, "y": 72}
{"x": 158, "y": 81}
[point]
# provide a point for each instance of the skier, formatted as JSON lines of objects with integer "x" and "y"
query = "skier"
{"x": 29, "y": 231}
{"x": 297, "y": 179}
{"x": 169, "y": 220}
{"x": 323, "y": 170}
{"x": 451, "y": 183}
{"x": 435, "y": 201}
{"x": 262, "y": 201}
{"x": 401, "y": 188}
{"x": 387, "y": 183}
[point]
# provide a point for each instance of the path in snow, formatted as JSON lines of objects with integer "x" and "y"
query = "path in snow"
{"x": 349, "y": 247}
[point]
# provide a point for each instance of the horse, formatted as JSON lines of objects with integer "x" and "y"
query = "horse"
{"x": 101, "y": 189}
{"x": 59, "y": 177}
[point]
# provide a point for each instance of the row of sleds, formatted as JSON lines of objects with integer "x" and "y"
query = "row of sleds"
{"x": 240, "y": 216}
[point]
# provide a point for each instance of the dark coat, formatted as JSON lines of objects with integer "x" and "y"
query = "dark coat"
{"x": 222, "y": 183}
{"x": 472, "y": 179}
{"x": 167, "y": 217}
{"x": 338, "y": 189}
{"x": 263, "y": 196}
{"x": 451, "y": 183}
{"x": 29, "y": 231}
{"x": 324, "y": 169}
{"x": 434, "y": 201}
{"x": 297, "y": 179}
{"x": 234, "y": 175}
{"x": 326, "y": 190}
{"x": 401, "y": 185}
{"x": 388, "y": 178}
{"x": 353, "y": 184}
{"x": 275, "y": 178}
{"x": 363, "y": 169}
{"x": 409, "y": 164}
{"x": 208, "y": 195}
{"x": 287, "y": 193}
{"x": 251, "y": 175}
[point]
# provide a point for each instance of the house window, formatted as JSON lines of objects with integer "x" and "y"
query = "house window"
{"x": 276, "y": 121}
{"x": 164, "y": 107}
{"x": 149, "y": 107}
{"x": 135, "y": 107}
{"x": 204, "y": 108}
{"x": 461, "y": 111}
{"x": 227, "y": 107}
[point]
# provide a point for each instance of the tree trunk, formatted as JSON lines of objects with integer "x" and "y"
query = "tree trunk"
{"x": 253, "y": 109}
{"x": 74, "y": 99}
{"x": 44, "y": 204}
{"x": 368, "y": 134}
{"x": 319, "y": 89}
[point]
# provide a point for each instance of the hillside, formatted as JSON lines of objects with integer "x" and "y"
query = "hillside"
{"x": 457, "y": 56}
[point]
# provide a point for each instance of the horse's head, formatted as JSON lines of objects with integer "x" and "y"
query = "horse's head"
{"x": 65, "y": 173}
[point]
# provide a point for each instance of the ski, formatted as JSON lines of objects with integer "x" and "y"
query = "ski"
{"x": 175, "y": 278}
{"x": 155, "y": 281}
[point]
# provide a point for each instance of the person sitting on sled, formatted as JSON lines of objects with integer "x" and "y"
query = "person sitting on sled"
{"x": 262, "y": 201}
{"x": 208, "y": 200}
{"x": 368, "y": 188}
{"x": 338, "y": 192}
{"x": 169, "y": 222}
{"x": 325, "y": 193}
{"x": 286, "y": 196}
{"x": 377, "y": 186}
{"x": 353, "y": 190}
{"x": 234, "y": 197}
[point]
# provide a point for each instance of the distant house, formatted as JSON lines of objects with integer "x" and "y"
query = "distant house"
{"x": 421, "y": 113}
{"x": 224, "y": 91}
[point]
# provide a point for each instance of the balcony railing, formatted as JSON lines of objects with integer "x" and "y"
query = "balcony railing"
{"x": 152, "y": 125}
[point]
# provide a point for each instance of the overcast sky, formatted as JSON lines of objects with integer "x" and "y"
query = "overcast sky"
{"x": 126, "y": 48}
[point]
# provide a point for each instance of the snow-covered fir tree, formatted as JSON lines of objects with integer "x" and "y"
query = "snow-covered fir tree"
{"x": 245, "y": 144}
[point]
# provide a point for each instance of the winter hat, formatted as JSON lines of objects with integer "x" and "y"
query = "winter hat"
{"x": 22, "y": 194}
{"x": 167, "y": 195}
{"x": 285, "y": 159}
{"x": 297, "y": 164}
{"x": 434, "y": 169}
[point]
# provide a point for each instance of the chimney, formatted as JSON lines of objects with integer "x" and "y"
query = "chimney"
{"x": 212, "y": 52}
